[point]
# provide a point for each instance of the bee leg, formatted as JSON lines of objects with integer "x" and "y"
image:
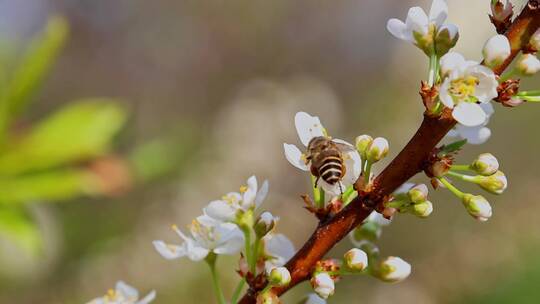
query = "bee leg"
{"x": 317, "y": 182}
{"x": 340, "y": 188}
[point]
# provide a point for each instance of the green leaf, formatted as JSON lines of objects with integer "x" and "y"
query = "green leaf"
{"x": 53, "y": 185}
{"x": 36, "y": 63}
{"x": 17, "y": 226}
{"x": 80, "y": 131}
{"x": 451, "y": 148}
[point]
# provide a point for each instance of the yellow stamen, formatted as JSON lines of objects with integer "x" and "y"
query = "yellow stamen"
{"x": 243, "y": 189}
{"x": 464, "y": 88}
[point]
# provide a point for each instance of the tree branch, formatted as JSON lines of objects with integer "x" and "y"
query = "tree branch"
{"x": 407, "y": 163}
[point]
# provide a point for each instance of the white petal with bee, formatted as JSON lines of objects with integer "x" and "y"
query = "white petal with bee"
{"x": 307, "y": 127}
{"x": 294, "y": 156}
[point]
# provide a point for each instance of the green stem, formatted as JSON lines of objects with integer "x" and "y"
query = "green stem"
{"x": 460, "y": 168}
{"x": 347, "y": 196}
{"x": 237, "y": 291}
{"x": 211, "y": 260}
{"x": 247, "y": 245}
{"x": 433, "y": 68}
{"x": 451, "y": 187}
{"x": 395, "y": 204}
{"x": 255, "y": 254}
{"x": 463, "y": 177}
{"x": 367, "y": 172}
{"x": 507, "y": 75}
{"x": 531, "y": 98}
{"x": 318, "y": 194}
{"x": 529, "y": 93}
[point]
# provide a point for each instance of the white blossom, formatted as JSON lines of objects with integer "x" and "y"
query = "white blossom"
{"x": 485, "y": 164}
{"x": 277, "y": 250}
{"x": 356, "y": 259}
{"x": 496, "y": 50}
{"x": 228, "y": 207}
{"x": 205, "y": 236}
{"x": 476, "y": 135}
{"x": 421, "y": 29}
{"x": 279, "y": 276}
{"x": 308, "y": 127}
{"x": 377, "y": 218}
{"x": 323, "y": 285}
{"x": 394, "y": 269}
{"x": 123, "y": 294}
{"x": 466, "y": 85}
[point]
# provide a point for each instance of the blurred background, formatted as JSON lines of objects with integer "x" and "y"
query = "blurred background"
{"x": 158, "y": 107}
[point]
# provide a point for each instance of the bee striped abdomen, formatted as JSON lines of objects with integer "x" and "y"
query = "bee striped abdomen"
{"x": 331, "y": 170}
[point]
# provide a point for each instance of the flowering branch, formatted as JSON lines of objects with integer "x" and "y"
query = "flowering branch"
{"x": 410, "y": 161}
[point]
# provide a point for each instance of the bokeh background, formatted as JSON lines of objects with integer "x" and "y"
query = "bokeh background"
{"x": 223, "y": 80}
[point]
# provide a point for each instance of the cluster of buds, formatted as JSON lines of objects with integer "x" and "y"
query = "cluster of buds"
{"x": 371, "y": 151}
{"x": 488, "y": 177}
{"x": 412, "y": 199}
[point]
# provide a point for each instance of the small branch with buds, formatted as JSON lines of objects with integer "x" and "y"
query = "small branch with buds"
{"x": 409, "y": 162}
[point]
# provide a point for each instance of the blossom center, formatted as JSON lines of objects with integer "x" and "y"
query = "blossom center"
{"x": 463, "y": 89}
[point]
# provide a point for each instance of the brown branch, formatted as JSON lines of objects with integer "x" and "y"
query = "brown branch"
{"x": 407, "y": 163}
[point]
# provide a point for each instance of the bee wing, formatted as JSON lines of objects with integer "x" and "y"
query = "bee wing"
{"x": 343, "y": 145}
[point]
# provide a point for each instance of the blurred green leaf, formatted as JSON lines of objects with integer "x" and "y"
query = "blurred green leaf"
{"x": 54, "y": 185}
{"x": 17, "y": 226}
{"x": 35, "y": 64}
{"x": 79, "y": 131}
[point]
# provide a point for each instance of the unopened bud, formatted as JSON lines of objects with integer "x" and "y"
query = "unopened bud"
{"x": 423, "y": 209}
{"x": 485, "y": 164}
{"x": 377, "y": 150}
{"x": 268, "y": 297}
{"x": 418, "y": 193}
{"x": 264, "y": 224}
{"x": 313, "y": 299}
{"x": 362, "y": 144}
{"x": 496, "y": 50}
{"x": 535, "y": 40}
{"x": 528, "y": 64}
{"x": 495, "y": 183}
{"x": 279, "y": 276}
{"x": 477, "y": 206}
{"x": 500, "y": 11}
{"x": 323, "y": 284}
{"x": 394, "y": 269}
{"x": 356, "y": 259}
{"x": 446, "y": 39}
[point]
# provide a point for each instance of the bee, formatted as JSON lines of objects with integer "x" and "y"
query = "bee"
{"x": 326, "y": 158}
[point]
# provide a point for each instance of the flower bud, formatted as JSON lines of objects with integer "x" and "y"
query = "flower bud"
{"x": 418, "y": 193}
{"x": 313, "y": 299}
{"x": 423, "y": 209}
{"x": 528, "y": 64}
{"x": 279, "y": 276}
{"x": 377, "y": 150}
{"x": 485, "y": 164}
{"x": 500, "y": 11}
{"x": 356, "y": 259}
{"x": 446, "y": 39}
{"x": 362, "y": 144}
{"x": 495, "y": 183}
{"x": 535, "y": 40}
{"x": 268, "y": 297}
{"x": 477, "y": 206}
{"x": 394, "y": 269}
{"x": 264, "y": 224}
{"x": 323, "y": 284}
{"x": 496, "y": 50}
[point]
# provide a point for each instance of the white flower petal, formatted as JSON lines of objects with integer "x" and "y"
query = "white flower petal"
{"x": 294, "y": 156}
{"x": 149, "y": 298}
{"x": 314, "y": 299}
{"x": 444, "y": 95}
{"x": 261, "y": 195}
{"x": 450, "y": 62}
{"x": 376, "y": 217}
{"x": 307, "y": 127}
{"x": 417, "y": 20}
{"x": 126, "y": 290}
{"x": 488, "y": 108}
{"x": 220, "y": 210}
{"x": 195, "y": 252}
{"x": 474, "y": 135}
{"x": 452, "y": 29}
{"x": 398, "y": 29}
{"x": 278, "y": 245}
{"x": 168, "y": 251}
{"x": 251, "y": 192}
{"x": 438, "y": 12}
{"x": 469, "y": 114}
